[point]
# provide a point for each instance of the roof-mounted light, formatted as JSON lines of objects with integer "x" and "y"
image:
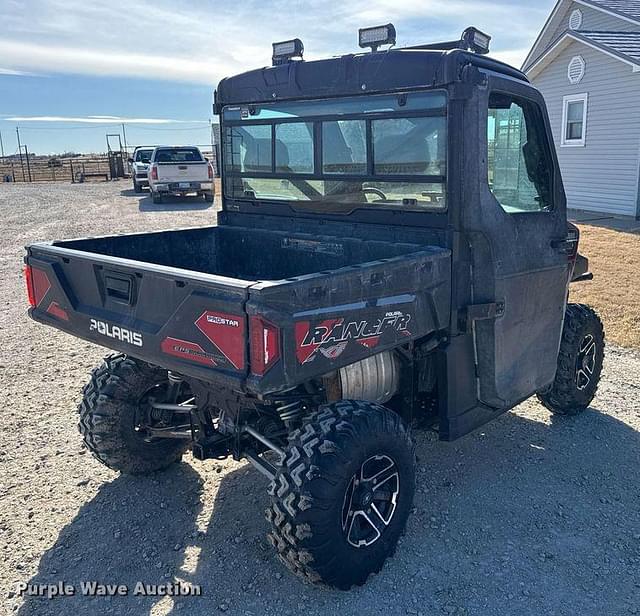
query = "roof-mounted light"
{"x": 376, "y": 36}
{"x": 476, "y": 41}
{"x": 286, "y": 50}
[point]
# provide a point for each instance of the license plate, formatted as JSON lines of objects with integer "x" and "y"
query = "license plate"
{"x": 184, "y": 185}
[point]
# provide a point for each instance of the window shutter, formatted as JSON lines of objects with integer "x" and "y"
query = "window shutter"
{"x": 575, "y": 19}
{"x": 576, "y": 69}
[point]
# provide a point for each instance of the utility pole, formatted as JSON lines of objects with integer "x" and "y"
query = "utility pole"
{"x": 24, "y": 179}
{"x": 26, "y": 153}
{"x": 1, "y": 146}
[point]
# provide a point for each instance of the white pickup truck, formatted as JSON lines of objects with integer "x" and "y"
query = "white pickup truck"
{"x": 180, "y": 170}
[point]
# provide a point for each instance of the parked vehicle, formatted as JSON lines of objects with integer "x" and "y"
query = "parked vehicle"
{"x": 139, "y": 162}
{"x": 180, "y": 170}
{"x": 391, "y": 248}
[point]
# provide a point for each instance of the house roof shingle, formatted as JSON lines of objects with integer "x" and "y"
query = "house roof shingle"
{"x": 629, "y": 8}
{"x": 624, "y": 43}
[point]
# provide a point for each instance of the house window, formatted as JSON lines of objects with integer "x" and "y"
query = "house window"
{"x": 574, "y": 120}
{"x": 575, "y": 19}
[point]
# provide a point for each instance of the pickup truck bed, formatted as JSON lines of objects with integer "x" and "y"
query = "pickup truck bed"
{"x": 264, "y": 309}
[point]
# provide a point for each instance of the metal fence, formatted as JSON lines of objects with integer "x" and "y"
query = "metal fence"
{"x": 52, "y": 169}
{"x": 30, "y": 168}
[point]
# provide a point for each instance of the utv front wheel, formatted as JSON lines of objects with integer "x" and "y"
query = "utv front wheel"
{"x": 341, "y": 498}
{"x": 115, "y": 410}
{"x": 579, "y": 362}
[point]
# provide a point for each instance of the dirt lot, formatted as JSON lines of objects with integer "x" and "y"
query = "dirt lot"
{"x": 530, "y": 515}
{"x": 614, "y": 259}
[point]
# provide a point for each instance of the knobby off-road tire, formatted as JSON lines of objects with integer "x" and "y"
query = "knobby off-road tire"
{"x": 313, "y": 493}
{"x": 108, "y": 415}
{"x": 579, "y": 362}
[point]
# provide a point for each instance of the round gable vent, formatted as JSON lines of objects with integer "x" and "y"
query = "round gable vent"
{"x": 575, "y": 19}
{"x": 576, "y": 69}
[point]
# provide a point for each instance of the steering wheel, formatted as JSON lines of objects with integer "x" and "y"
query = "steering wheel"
{"x": 375, "y": 191}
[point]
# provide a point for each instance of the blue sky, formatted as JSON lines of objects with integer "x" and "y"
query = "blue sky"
{"x": 72, "y": 70}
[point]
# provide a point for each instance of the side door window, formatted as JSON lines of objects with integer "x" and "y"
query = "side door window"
{"x": 519, "y": 156}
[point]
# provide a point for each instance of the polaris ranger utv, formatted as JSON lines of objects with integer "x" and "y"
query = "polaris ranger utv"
{"x": 393, "y": 248}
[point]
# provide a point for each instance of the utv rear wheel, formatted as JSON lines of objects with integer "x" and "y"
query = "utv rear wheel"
{"x": 579, "y": 362}
{"x": 341, "y": 498}
{"x": 115, "y": 410}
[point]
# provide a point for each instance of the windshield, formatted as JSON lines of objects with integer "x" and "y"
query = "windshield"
{"x": 143, "y": 156}
{"x": 340, "y": 155}
{"x": 178, "y": 155}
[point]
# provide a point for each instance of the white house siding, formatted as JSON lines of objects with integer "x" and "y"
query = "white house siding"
{"x": 592, "y": 19}
{"x": 602, "y": 176}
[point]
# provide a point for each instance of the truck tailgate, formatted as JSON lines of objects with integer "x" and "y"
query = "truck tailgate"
{"x": 186, "y": 321}
{"x": 183, "y": 172}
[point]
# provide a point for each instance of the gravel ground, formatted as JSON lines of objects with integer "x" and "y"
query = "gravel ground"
{"x": 531, "y": 515}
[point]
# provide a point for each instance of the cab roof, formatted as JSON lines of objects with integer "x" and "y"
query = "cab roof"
{"x": 354, "y": 74}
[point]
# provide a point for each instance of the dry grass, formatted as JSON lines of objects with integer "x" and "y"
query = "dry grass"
{"x": 614, "y": 259}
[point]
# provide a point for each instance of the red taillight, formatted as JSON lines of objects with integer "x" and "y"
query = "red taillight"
{"x": 210, "y": 169}
{"x": 28, "y": 278}
{"x": 264, "y": 345}
{"x": 154, "y": 172}
{"x": 38, "y": 285}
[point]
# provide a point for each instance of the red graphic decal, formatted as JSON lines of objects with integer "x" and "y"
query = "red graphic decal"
{"x": 227, "y": 332}
{"x": 186, "y": 350}
{"x": 55, "y": 309}
{"x": 41, "y": 284}
{"x": 309, "y": 339}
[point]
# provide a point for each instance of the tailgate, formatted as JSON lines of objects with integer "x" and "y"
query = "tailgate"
{"x": 183, "y": 172}
{"x": 185, "y": 321}
{"x": 331, "y": 319}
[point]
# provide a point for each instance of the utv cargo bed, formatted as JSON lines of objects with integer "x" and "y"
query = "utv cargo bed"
{"x": 266, "y": 309}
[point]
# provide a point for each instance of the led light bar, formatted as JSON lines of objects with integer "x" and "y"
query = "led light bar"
{"x": 476, "y": 41}
{"x": 376, "y": 36}
{"x": 285, "y": 50}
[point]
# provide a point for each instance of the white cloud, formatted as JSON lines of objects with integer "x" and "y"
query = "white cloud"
{"x": 99, "y": 120}
{"x": 15, "y": 73}
{"x": 200, "y": 42}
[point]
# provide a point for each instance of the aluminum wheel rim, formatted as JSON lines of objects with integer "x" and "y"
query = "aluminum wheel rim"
{"x": 586, "y": 363}
{"x": 370, "y": 501}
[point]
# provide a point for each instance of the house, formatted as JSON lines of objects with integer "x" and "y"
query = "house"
{"x": 586, "y": 63}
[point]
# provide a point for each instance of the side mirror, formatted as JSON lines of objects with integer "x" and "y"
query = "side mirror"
{"x": 206, "y": 159}
{"x": 130, "y": 160}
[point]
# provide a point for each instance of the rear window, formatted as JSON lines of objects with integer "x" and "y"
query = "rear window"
{"x": 383, "y": 151}
{"x": 178, "y": 155}
{"x": 143, "y": 156}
